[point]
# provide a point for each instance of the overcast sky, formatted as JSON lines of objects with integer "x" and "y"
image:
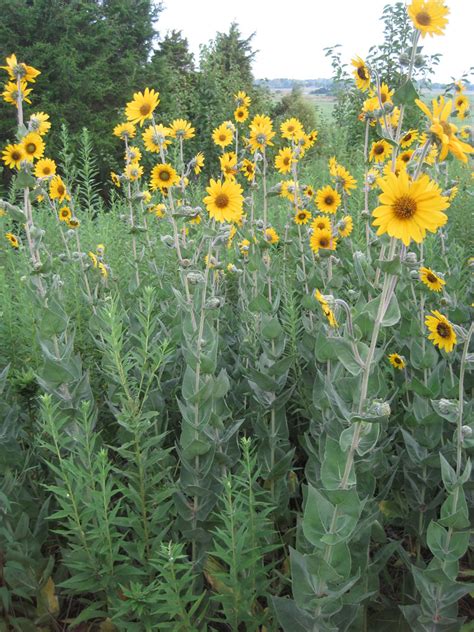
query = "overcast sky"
{"x": 291, "y": 34}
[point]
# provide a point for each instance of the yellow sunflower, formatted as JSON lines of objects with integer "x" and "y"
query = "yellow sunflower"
{"x": 39, "y": 122}
{"x": 241, "y": 114}
{"x": 321, "y": 222}
{"x": 115, "y": 178}
{"x": 73, "y": 223}
{"x": 361, "y": 74}
{"x": 244, "y": 247}
{"x": 248, "y": 169}
{"x": 180, "y": 128}
{"x": 133, "y": 171}
{"x": 444, "y": 131}
{"x": 242, "y": 99}
{"x": 308, "y": 192}
{"x": 428, "y": 16}
{"x": 431, "y": 280}
{"x": 342, "y": 176}
{"x": 125, "y": 131}
{"x": 408, "y": 138}
{"x": 133, "y": 154}
{"x": 11, "y": 93}
{"x": 302, "y": 216}
{"x": 57, "y": 189}
{"x": 385, "y": 94}
{"x": 322, "y": 239}
{"x": 154, "y": 138}
{"x": 287, "y": 189}
{"x": 223, "y": 135}
{"x": 327, "y": 311}
{"x": 291, "y": 129}
{"x": 461, "y": 103}
{"x": 228, "y": 162}
{"x": 345, "y": 226}
{"x": 404, "y": 158}
{"x": 380, "y": 151}
{"x": 12, "y": 155}
{"x": 33, "y": 146}
{"x": 198, "y": 162}
{"x": 327, "y": 199}
{"x": 142, "y": 106}
{"x": 284, "y": 160}
{"x": 14, "y": 242}
{"x": 409, "y": 209}
{"x": 261, "y": 134}
{"x": 442, "y": 332}
{"x": 45, "y": 168}
{"x": 163, "y": 176}
{"x": 64, "y": 214}
{"x": 224, "y": 201}
{"x": 21, "y": 71}
{"x": 271, "y": 236}
{"x": 397, "y": 361}
{"x": 93, "y": 258}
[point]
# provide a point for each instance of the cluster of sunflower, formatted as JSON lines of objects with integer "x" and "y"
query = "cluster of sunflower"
{"x": 27, "y": 154}
{"x": 411, "y": 203}
{"x": 97, "y": 260}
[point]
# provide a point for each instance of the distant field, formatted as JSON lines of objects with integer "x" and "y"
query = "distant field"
{"x": 324, "y": 103}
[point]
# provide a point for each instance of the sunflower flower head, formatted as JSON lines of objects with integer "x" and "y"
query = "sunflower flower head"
{"x": 397, "y": 361}
{"x": 428, "y": 16}
{"x": 224, "y": 201}
{"x": 142, "y": 106}
{"x": 431, "y": 279}
{"x": 442, "y": 332}
{"x": 408, "y": 209}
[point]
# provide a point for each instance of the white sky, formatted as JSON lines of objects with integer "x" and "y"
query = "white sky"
{"x": 291, "y": 34}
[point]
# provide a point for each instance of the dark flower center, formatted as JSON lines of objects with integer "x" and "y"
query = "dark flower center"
{"x": 222, "y": 200}
{"x": 423, "y": 18}
{"x": 361, "y": 73}
{"x": 443, "y": 330}
{"x": 222, "y": 137}
{"x": 379, "y": 149}
{"x": 431, "y": 278}
{"x": 286, "y": 161}
{"x": 46, "y": 171}
{"x": 30, "y": 148}
{"x": 324, "y": 242}
{"x": 329, "y": 200}
{"x": 145, "y": 109}
{"x": 397, "y": 360}
{"x": 404, "y": 207}
{"x": 164, "y": 175}
{"x": 16, "y": 155}
{"x": 406, "y": 138}
{"x": 61, "y": 189}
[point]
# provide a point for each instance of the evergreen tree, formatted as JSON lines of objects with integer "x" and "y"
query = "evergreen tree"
{"x": 92, "y": 55}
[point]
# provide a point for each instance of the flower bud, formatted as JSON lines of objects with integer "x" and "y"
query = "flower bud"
{"x": 419, "y": 61}
{"x": 411, "y": 258}
{"x": 448, "y": 406}
{"x": 466, "y": 431}
{"x": 195, "y": 277}
{"x": 365, "y": 214}
{"x": 213, "y": 303}
{"x": 380, "y": 409}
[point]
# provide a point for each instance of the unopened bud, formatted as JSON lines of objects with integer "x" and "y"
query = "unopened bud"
{"x": 466, "y": 431}
{"x": 168, "y": 240}
{"x": 195, "y": 277}
{"x": 213, "y": 303}
{"x": 411, "y": 258}
{"x": 448, "y": 406}
{"x": 380, "y": 409}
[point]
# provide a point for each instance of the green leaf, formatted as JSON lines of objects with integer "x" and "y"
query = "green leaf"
{"x": 334, "y": 464}
{"x": 446, "y": 545}
{"x": 272, "y": 329}
{"x": 260, "y": 304}
{"x": 405, "y": 94}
